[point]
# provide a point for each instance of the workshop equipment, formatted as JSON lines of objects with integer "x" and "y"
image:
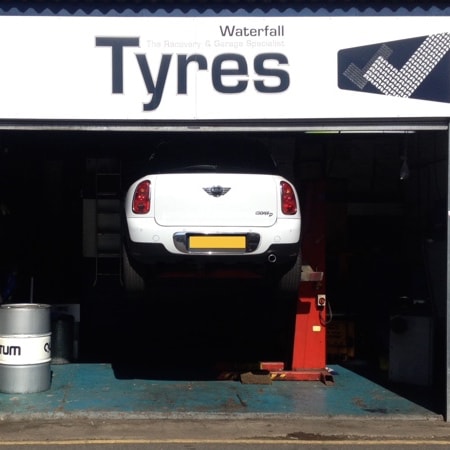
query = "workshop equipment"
{"x": 309, "y": 339}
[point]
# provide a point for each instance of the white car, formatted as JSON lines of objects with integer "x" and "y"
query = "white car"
{"x": 214, "y": 205}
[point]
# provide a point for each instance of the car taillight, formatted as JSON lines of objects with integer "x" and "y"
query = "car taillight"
{"x": 141, "y": 198}
{"x": 288, "y": 200}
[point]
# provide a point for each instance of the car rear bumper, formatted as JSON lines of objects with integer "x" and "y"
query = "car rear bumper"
{"x": 154, "y": 254}
{"x": 144, "y": 231}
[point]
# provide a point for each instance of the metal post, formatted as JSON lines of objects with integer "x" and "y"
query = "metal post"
{"x": 309, "y": 341}
{"x": 309, "y": 346}
{"x": 447, "y": 393}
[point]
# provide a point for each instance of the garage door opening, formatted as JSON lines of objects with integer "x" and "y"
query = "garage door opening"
{"x": 386, "y": 248}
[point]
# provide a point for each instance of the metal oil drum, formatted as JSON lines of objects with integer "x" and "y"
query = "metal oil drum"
{"x": 25, "y": 355}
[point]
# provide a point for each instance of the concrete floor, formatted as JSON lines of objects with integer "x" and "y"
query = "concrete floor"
{"x": 100, "y": 391}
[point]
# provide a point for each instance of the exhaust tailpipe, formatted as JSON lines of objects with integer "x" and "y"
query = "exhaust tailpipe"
{"x": 272, "y": 258}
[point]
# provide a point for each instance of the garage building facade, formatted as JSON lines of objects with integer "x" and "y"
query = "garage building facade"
{"x": 308, "y": 75}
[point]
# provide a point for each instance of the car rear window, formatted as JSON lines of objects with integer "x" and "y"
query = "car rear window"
{"x": 226, "y": 156}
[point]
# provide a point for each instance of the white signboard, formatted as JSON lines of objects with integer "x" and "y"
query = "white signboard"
{"x": 218, "y": 68}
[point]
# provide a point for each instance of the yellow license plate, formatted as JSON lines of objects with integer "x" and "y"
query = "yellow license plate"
{"x": 217, "y": 242}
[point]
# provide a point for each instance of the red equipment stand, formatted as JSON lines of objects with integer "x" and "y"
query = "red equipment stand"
{"x": 309, "y": 346}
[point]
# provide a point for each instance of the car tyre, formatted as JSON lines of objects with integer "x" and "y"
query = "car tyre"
{"x": 290, "y": 282}
{"x": 132, "y": 281}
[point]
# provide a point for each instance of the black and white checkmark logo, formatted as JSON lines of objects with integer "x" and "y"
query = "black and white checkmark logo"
{"x": 412, "y": 68}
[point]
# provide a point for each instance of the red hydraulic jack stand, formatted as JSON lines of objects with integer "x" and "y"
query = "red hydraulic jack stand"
{"x": 309, "y": 346}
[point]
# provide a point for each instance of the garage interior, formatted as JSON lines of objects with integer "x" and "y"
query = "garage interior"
{"x": 385, "y": 196}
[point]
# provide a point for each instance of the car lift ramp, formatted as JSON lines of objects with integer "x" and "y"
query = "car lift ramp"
{"x": 309, "y": 340}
